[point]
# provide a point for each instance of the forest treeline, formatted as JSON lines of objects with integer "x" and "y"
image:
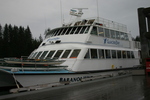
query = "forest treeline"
{"x": 17, "y": 41}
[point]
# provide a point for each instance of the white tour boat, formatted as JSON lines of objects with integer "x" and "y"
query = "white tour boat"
{"x": 85, "y": 48}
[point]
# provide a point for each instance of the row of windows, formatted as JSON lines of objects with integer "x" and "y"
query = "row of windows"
{"x": 109, "y": 33}
{"x": 108, "y": 54}
{"x": 53, "y": 54}
{"x": 84, "y": 22}
{"x": 69, "y": 31}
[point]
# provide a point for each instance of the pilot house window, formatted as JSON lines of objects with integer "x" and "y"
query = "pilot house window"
{"x": 94, "y": 31}
{"x": 107, "y": 33}
{"x": 100, "y": 31}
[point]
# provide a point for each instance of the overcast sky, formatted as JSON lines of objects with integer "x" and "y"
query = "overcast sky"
{"x": 42, "y": 14}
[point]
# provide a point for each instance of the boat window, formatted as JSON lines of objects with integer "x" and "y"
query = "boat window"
{"x": 122, "y": 35}
{"x": 34, "y": 55}
{"x": 124, "y": 54}
{"x": 66, "y": 53}
{"x": 126, "y": 36}
{"x": 58, "y": 53}
{"x": 107, "y": 53}
{"x": 107, "y": 33}
{"x": 30, "y": 56}
{"x": 100, "y": 31}
{"x": 132, "y": 54}
{"x": 52, "y": 33}
{"x": 67, "y": 32}
{"x": 44, "y": 54}
{"x": 56, "y": 32}
{"x": 64, "y": 31}
{"x": 90, "y": 21}
{"x": 78, "y": 30}
{"x": 94, "y": 31}
{"x": 128, "y": 54}
{"x": 87, "y": 29}
{"x": 113, "y": 53}
{"x": 94, "y": 53}
{"x": 60, "y": 30}
{"x": 117, "y": 35}
{"x": 82, "y": 30}
{"x": 50, "y": 54}
{"x": 75, "y": 53}
{"x": 48, "y": 33}
{"x": 101, "y": 53}
{"x": 113, "y": 35}
{"x": 84, "y": 22}
{"x": 73, "y": 30}
{"x": 38, "y": 55}
{"x": 119, "y": 54}
{"x": 87, "y": 56}
{"x": 77, "y": 23}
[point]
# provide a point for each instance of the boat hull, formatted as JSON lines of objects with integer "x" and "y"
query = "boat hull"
{"x": 30, "y": 78}
{"x": 6, "y": 80}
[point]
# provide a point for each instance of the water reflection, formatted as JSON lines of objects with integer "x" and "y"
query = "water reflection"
{"x": 125, "y": 88}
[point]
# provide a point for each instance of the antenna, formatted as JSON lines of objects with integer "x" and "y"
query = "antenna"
{"x": 61, "y": 12}
{"x": 97, "y": 11}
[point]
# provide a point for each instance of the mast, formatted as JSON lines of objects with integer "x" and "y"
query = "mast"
{"x": 97, "y": 11}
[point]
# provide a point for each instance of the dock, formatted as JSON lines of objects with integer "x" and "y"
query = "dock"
{"x": 123, "y": 87}
{"x": 50, "y": 90}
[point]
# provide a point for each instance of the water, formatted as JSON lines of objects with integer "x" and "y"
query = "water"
{"x": 124, "y": 88}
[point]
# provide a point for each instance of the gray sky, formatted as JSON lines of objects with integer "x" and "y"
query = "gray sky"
{"x": 42, "y": 14}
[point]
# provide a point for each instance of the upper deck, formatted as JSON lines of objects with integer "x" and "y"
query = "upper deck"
{"x": 80, "y": 27}
{"x": 96, "y": 31}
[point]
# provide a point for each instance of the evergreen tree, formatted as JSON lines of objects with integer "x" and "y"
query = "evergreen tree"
{"x": 5, "y": 41}
{"x": 40, "y": 39}
{"x": 1, "y": 42}
{"x": 10, "y": 40}
{"x": 28, "y": 41}
{"x": 17, "y": 41}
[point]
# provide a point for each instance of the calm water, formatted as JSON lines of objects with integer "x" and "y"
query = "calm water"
{"x": 124, "y": 88}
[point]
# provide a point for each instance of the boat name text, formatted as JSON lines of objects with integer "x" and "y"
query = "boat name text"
{"x": 107, "y": 41}
{"x": 73, "y": 79}
{"x": 53, "y": 39}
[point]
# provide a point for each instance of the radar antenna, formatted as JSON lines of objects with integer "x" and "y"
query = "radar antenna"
{"x": 77, "y": 11}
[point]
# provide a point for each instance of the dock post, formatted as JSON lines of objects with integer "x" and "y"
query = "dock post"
{"x": 144, "y": 29}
